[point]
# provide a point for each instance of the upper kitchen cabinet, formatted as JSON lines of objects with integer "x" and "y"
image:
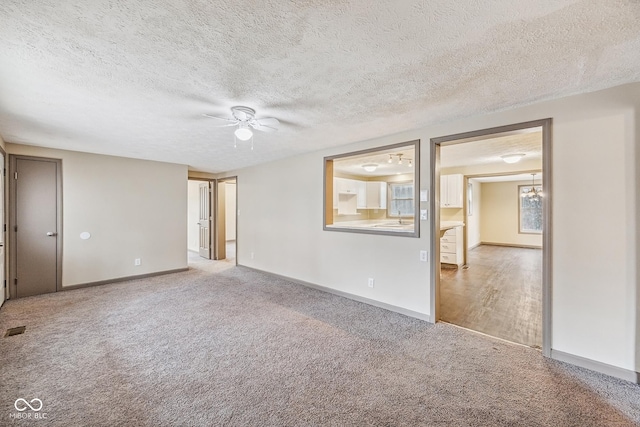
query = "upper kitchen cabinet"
{"x": 376, "y": 195}
{"x": 451, "y": 194}
{"x": 353, "y": 187}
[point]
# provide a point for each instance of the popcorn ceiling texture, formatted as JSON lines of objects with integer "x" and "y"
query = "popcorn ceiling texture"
{"x": 132, "y": 78}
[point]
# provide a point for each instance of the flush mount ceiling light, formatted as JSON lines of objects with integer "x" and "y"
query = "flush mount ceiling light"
{"x": 245, "y": 119}
{"x": 370, "y": 167}
{"x": 512, "y": 158}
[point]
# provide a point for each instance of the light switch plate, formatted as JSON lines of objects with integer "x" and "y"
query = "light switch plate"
{"x": 424, "y": 256}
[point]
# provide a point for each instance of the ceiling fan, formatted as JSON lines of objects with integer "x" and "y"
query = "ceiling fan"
{"x": 245, "y": 119}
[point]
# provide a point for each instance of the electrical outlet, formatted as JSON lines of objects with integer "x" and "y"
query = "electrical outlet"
{"x": 252, "y": 255}
{"x": 424, "y": 256}
{"x": 371, "y": 282}
{"x": 136, "y": 261}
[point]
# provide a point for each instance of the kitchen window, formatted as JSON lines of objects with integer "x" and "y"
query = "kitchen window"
{"x": 373, "y": 191}
{"x": 401, "y": 200}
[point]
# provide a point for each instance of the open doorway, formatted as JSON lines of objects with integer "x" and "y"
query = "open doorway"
{"x": 492, "y": 215}
{"x": 226, "y": 219}
{"x": 212, "y": 220}
{"x": 199, "y": 218}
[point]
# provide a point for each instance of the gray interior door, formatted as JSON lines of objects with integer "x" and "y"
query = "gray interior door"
{"x": 36, "y": 226}
{"x": 204, "y": 222}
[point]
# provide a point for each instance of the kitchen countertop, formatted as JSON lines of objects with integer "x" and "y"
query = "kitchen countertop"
{"x": 448, "y": 225}
{"x": 376, "y": 224}
{"x": 392, "y": 225}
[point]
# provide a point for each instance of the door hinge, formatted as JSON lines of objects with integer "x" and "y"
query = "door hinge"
{"x": 5, "y": 227}
{"x": 15, "y": 175}
{"x": 5, "y": 283}
{"x": 15, "y": 228}
{"x": 15, "y": 281}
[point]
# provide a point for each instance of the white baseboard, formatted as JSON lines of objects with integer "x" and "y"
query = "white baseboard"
{"x": 593, "y": 365}
{"x": 358, "y": 298}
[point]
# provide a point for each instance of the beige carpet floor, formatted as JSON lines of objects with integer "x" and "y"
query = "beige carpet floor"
{"x": 227, "y": 346}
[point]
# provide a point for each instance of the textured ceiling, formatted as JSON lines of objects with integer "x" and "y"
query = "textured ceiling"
{"x": 133, "y": 77}
{"x": 489, "y": 151}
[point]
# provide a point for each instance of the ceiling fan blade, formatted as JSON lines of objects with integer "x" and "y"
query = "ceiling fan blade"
{"x": 263, "y": 128}
{"x": 228, "y": 122}
{"x": 268, "y": 124}
{"x": 269, "y": 121}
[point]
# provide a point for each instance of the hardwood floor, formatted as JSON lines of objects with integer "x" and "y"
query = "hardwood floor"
{"x": 499, "y": 294}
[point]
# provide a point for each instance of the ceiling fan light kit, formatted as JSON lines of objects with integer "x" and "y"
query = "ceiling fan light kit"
{"x": 243, "y": 133}
{"x": 245, "y": 119}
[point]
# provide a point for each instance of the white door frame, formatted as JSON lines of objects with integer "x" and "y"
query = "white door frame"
{"x": 546, "y": 125}
{"x": 211, "y": 210}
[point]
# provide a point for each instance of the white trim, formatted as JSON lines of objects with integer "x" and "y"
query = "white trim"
{"x": 396, "y": 309}
{"x": 593, "y": 365}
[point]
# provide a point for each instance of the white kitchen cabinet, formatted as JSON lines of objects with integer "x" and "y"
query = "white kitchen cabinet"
{"x": 343, "y": 189}
{"x": 451, "y": 191}
{"x": 452, "y": 247}
{"x": 368, "y": 194}
{"x": 376, "y": 195}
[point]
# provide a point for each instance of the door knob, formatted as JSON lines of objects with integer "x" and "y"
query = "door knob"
{"x": 51, "y": 233}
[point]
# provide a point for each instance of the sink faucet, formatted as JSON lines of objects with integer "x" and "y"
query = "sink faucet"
{"x": 399, "y": 218}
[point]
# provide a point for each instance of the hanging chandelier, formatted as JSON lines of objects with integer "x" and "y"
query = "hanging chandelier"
{"x": 532, "y": 193}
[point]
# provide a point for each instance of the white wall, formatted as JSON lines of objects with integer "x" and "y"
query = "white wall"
{"x": 594, "y": 247}
{"x": 499, "y": 221}
{"x": 230, "y": 209}
{"x": 193, "y": 215}
{"x": 132, "y": 208}
{"x": 473, "y": 221}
